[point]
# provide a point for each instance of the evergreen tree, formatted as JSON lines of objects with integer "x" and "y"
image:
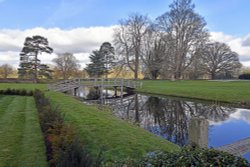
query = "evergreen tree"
{"x": 97, "y": 66}
{"x": 30, "y": 66}
{"x": 102, "y": 61}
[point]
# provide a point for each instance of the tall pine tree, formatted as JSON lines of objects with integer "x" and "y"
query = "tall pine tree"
{"x": 30, "y": 66}
{"x": 102, "y": 61}
{"x": 97, "y": 66}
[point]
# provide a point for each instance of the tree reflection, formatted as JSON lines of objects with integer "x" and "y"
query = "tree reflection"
{"x": 170, "y": 118}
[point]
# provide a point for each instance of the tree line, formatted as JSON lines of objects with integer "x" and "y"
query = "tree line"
{"x": 174, "y": 46}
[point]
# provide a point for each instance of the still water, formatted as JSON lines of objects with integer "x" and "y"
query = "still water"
{"x": 182, "y": 121}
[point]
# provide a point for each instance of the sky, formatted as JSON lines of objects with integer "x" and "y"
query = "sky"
{"x": 80, "y": 26}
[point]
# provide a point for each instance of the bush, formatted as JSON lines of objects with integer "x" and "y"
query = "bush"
{"x": 244, "y": 76}
{"x": 93, "y": 94}
{"x": 21, "y": 92}
{"x": 187, "y": 157}
{"x": 62, "y": 146}
{"x": 75, "y": 155}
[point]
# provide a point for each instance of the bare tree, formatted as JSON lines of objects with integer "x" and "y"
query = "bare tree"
{"x": 6, "y": 70}
{"x": 66, "y": 65}
{"x": 183, "y": 30}
{"x": 218, "y": 58}
{"x": 128, "y": 40}
{"x": 153, "y": 50}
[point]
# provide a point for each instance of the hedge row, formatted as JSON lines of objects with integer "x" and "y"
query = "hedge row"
{"x": 20, "y": 92}
{"x": 244, "y": 76}
{"x": 63, "y": 147}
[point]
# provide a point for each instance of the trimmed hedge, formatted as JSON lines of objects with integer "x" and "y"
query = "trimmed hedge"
{"x": 244, "y": 76}
{"x": 63, "y": 147}
{"x": 20, "y": 92}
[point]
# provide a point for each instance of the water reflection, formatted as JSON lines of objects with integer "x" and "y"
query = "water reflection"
{"x": 175, "y": 120}
{"x": 183, "y": 122}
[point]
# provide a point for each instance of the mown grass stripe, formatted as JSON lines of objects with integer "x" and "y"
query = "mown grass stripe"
{"x": 33, "y": 147}
{"x": 21, "y": 143}
{"x": 5, "y": 101}
{"x": 11, "y": 124}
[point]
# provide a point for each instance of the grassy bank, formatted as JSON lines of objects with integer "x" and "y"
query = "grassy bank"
{"x": 237, "y": 92}
{"x": 101, "y": 131}
{"x": 21, "y": 142}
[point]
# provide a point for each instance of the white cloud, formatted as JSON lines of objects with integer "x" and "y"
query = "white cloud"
{"x": 243, "y": 114}
{"x": 241, "y": 45}
{"x": 79, "y": 41}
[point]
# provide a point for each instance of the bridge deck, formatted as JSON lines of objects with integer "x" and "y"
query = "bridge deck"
{"x": 238, "y": 148}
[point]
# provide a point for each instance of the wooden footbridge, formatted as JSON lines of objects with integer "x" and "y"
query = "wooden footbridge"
{"x": 74, "y": 84}
{"x": 237, "y": 148}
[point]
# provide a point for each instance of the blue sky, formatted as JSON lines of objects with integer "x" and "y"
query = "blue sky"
{"x": 228, "y": 16}
{"x": 79, "y": 26}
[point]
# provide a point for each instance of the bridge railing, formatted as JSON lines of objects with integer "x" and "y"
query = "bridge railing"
{"x": 111, "y": 82}
{"x": 65, "y": 85}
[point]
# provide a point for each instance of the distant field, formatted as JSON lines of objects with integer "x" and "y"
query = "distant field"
{"x": 21, "y": 141}
{"x": 28, "y": 86}
{"x": 230, "y": 91}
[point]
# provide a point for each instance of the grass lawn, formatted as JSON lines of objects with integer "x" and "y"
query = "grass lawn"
{"x": 21, "y": 141}
{"x": 100, "y": 130}
{"x": 27, "y": 86}
{"x": 234, "y": 92}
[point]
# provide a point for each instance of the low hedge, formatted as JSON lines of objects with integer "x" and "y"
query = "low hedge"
{"x": 244, "y": 76}
{"x": 63, "y": 147}
{"x": 20, "y": 92}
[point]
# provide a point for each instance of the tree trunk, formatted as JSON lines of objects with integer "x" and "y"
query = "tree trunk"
{"x": 136, "y": 64}
{"x": 177, "y": 75}
{"x": 35, "y": 75}
{"x": 137, "y": 115}
{"x": 213, "y": 75}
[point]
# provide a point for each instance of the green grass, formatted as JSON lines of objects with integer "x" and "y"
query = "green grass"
{"x": 101, "y": 131}
{"x": 27, "y": 86}
{"x": 21, "y": 141}
{"x": 237, "y": 92}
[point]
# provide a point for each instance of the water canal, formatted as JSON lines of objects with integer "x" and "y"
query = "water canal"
{"x": 180, "y": 121}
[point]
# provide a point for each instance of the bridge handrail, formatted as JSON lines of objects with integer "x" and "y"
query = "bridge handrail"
{"x": 104, "y": 82}
{"x": 113, "y": 81}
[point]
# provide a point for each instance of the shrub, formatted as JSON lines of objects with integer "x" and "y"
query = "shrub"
{"x": 7, "y": 91}
{"x": 93, "y": 94}
{"x": 244, "y": 76}
{"x": 75, "y": 155}
{"x": 62, "y": 146}
{"x": 187, "y": 157}
{"x": 21, "y": 92}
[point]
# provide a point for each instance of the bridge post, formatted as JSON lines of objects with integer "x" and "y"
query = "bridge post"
{"x": 75, "y": 91}
{"x": 102, "y": 88}
{"x": 122, "y": 88}
{"x": 115, "y": 88}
